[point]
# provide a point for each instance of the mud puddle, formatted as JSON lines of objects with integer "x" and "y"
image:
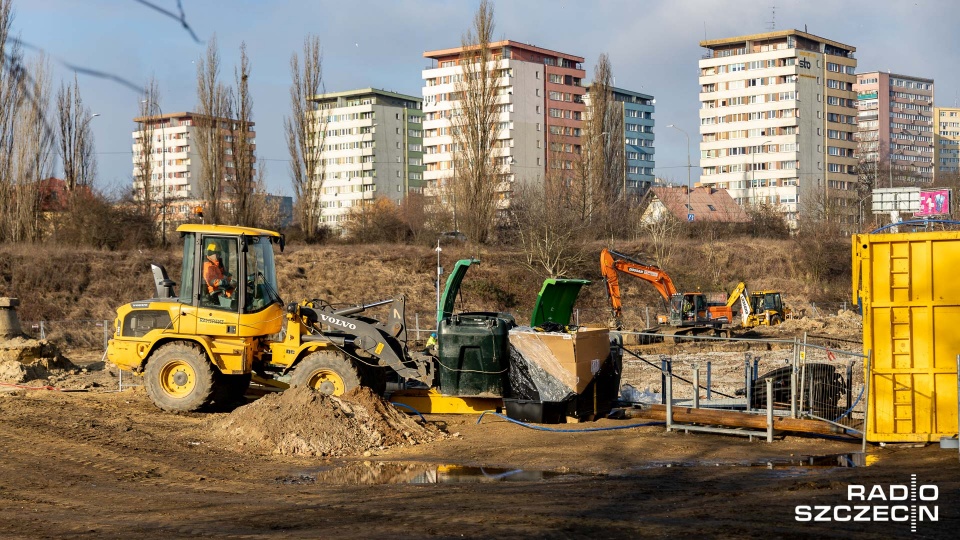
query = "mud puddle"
{"x": 378, "y": 473}
{"x": 382, "y": 472}
{"x": 852, "y": 459}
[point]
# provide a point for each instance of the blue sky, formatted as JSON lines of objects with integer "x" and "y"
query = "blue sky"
{"x": 653, "y": 46}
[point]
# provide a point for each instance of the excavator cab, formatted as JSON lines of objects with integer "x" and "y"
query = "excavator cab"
{"x": 687, "y": 309}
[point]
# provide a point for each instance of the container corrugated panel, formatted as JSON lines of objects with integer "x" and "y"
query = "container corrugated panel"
{"x": 909, "y": 288}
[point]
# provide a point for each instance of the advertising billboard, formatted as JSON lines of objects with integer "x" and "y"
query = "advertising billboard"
{"x": 934, "y": 202}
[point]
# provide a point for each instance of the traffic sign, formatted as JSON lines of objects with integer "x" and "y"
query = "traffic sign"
{"x": 690, "y": 217}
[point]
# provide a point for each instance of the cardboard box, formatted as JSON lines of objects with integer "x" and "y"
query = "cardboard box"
{"x": 571, "y": 358}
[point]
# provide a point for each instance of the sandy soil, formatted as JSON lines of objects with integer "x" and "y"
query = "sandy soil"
{"x": 105, "y": 464}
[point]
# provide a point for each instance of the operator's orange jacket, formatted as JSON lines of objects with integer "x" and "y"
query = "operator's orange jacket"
{"x": 213, "y": 275}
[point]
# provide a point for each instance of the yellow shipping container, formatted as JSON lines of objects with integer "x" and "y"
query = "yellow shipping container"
{"x": 909, "y": 288}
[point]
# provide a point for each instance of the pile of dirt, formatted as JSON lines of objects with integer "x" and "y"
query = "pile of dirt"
{"x": 23, "y": 359}
{"x": 302, "y": 422}
{"x": 844, "y": 323}
{"x": 848, "y": 320}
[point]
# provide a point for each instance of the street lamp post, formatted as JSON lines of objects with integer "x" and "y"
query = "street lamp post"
{"x": 860, "y": 206}
{"x": 689, "y": 185}
{"x": 163, "y": 165}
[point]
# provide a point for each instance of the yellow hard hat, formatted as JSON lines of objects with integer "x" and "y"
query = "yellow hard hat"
{"x": 212, "y": 248}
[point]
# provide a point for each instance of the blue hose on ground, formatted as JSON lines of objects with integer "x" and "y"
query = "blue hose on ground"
{"x": 556, "y": 430}
{"x": 405, "y": 406}
{"x": 855, "y": 402}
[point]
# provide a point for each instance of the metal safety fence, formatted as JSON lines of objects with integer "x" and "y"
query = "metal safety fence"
{"x": 813, "y": 377}
{"x": 90, "y": 334}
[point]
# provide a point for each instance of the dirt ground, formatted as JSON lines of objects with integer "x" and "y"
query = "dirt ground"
{"x": 95, "y": 462}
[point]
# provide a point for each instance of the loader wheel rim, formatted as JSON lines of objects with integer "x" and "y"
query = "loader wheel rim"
{"x": 178, "y": 378}
{"x": 327, "y": 382}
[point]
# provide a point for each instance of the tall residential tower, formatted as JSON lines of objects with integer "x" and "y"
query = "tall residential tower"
{"x": 777, "y": 122}
{"x": 168, "y": 141}
{"x": 372, "y": 147}
{"x": 540, "y": 99}
{"x": 896, "y": 126}
{"x": 946, "y": 135}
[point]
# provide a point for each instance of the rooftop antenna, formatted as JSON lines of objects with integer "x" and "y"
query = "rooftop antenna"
{"x": 772, "y": 23}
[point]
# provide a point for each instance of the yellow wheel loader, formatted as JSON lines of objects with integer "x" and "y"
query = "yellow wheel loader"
{"x": 203, "y": 345}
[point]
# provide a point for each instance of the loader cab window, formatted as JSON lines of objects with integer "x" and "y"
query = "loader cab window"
{"x": 187, "y": 277}
{"x": 260, "y": 287}
{"x": 218, "y": 273}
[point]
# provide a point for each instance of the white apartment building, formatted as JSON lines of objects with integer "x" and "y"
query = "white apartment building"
{"x": 176, "y": 166}
{"x": 778, "y": 121}
{"x": 540, "y": 95}
{"x": 372, "y": 147}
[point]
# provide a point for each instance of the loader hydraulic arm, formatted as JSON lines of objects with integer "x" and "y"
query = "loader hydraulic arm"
{"x": 385, "y": 342}
{"x": 612, "y": 263}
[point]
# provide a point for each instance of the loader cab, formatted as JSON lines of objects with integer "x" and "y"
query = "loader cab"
{"x": 245, "y": 299}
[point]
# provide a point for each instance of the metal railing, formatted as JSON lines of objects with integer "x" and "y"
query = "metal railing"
{"x": 821, "y": 381}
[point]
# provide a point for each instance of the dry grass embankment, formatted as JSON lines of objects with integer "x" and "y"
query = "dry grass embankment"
{"x": 65, "y": 283}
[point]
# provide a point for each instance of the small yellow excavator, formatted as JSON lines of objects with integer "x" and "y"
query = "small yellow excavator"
{"x": 758, "y": 308}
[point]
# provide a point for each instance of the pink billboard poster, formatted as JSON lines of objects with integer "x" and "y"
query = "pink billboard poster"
{"x": 934, "y": 202}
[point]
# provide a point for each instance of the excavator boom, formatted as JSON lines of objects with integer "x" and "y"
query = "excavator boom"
{"x": 611, "y": 263}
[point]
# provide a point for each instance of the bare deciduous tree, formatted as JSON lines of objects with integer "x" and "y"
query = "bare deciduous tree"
{"x": 305, "y": 131}
{"x": 477, "y": 176}
{"x": 25, "y": 138}
{"x": 145, "y": 169}
{"x": 551, "y": 234}
{"x": 599, "y": 173}
{"x": 660, "y": 226}
{"x": 76, "y": 138}
{"x": 32, "y": 161}
{"x": 245, "y": 179}
{"x": 213, "y": 108}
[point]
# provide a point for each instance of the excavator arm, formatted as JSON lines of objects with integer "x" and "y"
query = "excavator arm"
{"x": 738, "y": 291}
{"x": 740, "y": 294}
{"x": 613, "y": 263}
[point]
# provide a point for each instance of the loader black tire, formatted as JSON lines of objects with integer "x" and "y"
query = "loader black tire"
{"x": 179, "y": 378}
{"x": 326, "y": 372}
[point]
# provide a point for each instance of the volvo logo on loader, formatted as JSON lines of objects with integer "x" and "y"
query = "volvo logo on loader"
{"x": 338, "y": 322}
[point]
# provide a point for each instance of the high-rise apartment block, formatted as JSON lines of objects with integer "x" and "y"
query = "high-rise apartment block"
{"x": 372, "y": 147}
{"x": 896, "y": 126}
{"x": 168, "y": 141}
{"x": 638, "y": 126}
{"x": 777, "y": 122}
{"x": 636, "y": 110}
{"x": 946, "y": 135}
{"x": 540, "y": 99}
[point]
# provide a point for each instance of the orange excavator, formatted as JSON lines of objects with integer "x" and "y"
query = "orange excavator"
{"x": 688, "y": 312}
